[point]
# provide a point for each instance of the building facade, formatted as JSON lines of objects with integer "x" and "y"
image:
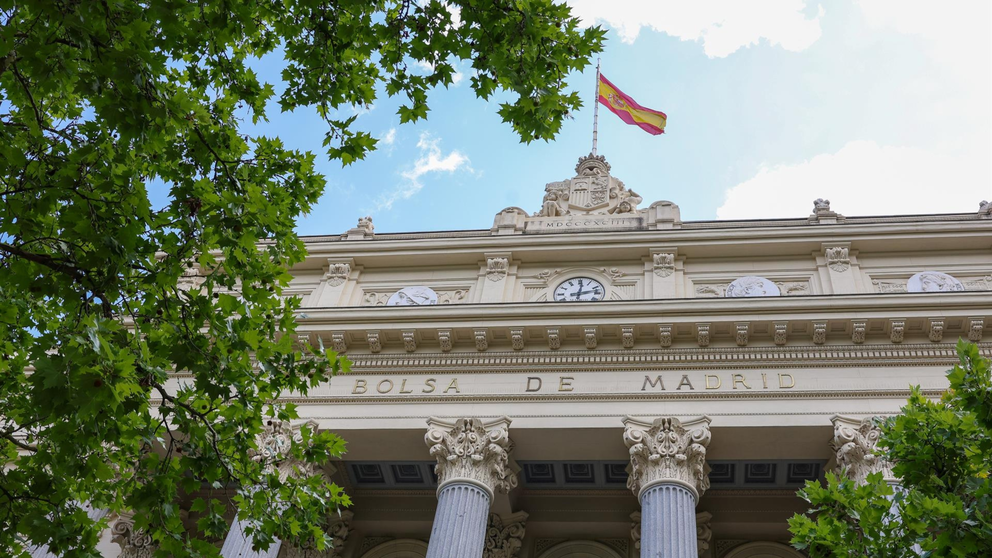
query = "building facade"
{"x": 601, "y": 379}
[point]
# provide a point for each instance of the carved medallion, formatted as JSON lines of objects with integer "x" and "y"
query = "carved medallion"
{"x": 496, "y": 268}
{"x": 933, "y": 282}
{"x": 751, "y": 285}
{"x": 413, "y": 296}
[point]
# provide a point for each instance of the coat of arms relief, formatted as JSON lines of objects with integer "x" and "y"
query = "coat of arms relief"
{"x": 591, "y": 192}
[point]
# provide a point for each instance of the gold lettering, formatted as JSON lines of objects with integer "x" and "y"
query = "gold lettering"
{"x": 453, "y": 386}
{"x": 764, "y": 380}
{"x": 739, "y": 379}
{"x": 657, "y": 382}
{"x": 403, "y": 386}
{"x": 429, "y": 383}
{"x": 530, "y": 381}
{"x": 565, "y": 383}
{"x": 685, "y": 382}
{"x": 715, "y": 377}
{"x": 792, "y": 381}
{"x": 360, "y": 385}
{"x": 388, "y": 389}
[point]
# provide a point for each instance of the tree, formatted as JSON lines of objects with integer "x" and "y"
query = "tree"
{"x": 942, "y": 453}
{"x": 142, "y": 348}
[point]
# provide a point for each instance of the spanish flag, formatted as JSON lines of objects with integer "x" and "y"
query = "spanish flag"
{"x": 651, "y": 121}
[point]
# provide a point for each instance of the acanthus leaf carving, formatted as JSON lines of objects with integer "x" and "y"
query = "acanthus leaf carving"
{"x": 444, "y": 339}
{"x": 666, "y": 450}
{"x": 517, "y": 338}
{"x": 591, "y": 336}
{"x": 339, "y": 341}
{"x": 856, "y": 445}
{"x": 469, "y": 450}
{"x": 819, "y": 332}
{"x": 781, "y": 333}
{"x": 134, "y": 543}
{"x": 375, "y": 344}
{"x": 898, "y": 331}
{"x": 859, "y": 330}
{"x": 627, "y": 336}
{"x": 274, "y": 444}
{"x": 703, "y": 335}
{"x": 410, "y": 340}
{"x": 743, "y": 331}
{"x": 481, "y": 339}
{"x": 936, "y": 332}
{"x": 976, "y": 327}
{"x": 554, "y": 338}
{"x": 665, "y": 335}
{"x": 504, "y": 540}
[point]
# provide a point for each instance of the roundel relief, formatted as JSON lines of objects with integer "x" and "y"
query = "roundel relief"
{"x": 413, "y": 296}
{"x": 933, "y": 282}
{"x": 752, "y": 285}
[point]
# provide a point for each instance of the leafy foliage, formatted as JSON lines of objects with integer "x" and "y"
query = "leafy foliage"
{"x": 142, "y": 348}
{"x": 942, "y": 451}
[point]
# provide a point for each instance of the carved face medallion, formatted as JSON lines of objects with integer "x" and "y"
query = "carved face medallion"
{"x": 413, "y": 296}
{"x": 581, "y": 289}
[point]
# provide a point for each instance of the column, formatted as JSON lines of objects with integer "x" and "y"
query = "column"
{"x": 668, "y": 461}
{"x": 274, "y": 444}
{"x": 472, "y": 463}
{"x": 855, "y": 441}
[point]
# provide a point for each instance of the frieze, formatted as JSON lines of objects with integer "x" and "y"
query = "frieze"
{"x": 444, "y": 296}
{"x": 719, "y": 289}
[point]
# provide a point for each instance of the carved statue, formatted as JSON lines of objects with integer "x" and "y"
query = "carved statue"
{"x": 821, "y": 205}
{"x": 365, "y": 223}
{"x": 552, "y": 207}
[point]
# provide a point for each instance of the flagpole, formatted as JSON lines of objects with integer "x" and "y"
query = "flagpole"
{"x": 595, "y": 111}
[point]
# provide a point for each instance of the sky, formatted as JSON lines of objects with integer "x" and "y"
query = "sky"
{"x": 882, "y": 106}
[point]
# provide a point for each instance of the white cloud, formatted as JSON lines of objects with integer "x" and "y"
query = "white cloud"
{"x": 723, "y": 26}
{"x": 456, "y": 78}
{"x": 388, "y": 138}
{"x": 863, "y": 178}
{"x": 431, "y": 160}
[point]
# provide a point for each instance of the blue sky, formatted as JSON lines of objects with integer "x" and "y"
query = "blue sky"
{"x": 882, "y": 106}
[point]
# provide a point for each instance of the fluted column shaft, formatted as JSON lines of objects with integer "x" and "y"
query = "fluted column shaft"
{"x": 472, "y": 464}
{"x": 668, "y": 473}
{"x": 459, "y": 529}
{"x": 668, "y": 522}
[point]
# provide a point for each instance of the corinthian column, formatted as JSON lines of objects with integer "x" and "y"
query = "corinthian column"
{"x": 668, "y": 462}
{"x": 472, "y": 463}
{"x": 856, "y": 441}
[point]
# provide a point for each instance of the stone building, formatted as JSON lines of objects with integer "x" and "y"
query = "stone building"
{"x": 601, "y": 379}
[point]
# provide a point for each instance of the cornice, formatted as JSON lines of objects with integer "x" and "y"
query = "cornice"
{"x": 811, "y": 356}
{"x": 698, "y": 231}
{"x": 615, "y": 397}
{"x": 616, "y": 312}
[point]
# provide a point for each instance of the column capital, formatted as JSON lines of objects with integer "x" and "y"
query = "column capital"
{"x": 274, "y": 443}
{"x": 667, "y": 451}
{"x": 504, "y": 538}
{"x": 472, "y": 451}
{"x": 856, "y": 441}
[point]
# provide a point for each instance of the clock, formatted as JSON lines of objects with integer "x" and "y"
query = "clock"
{"x": 581, "y": 289}
{"x": 413, "y": 296}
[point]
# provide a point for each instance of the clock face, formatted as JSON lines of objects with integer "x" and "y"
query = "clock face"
{"x": 580, "y": 289}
